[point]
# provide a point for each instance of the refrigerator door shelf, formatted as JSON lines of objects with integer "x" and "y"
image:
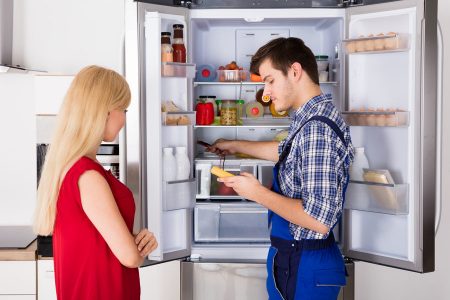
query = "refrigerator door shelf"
{"x": 381, "y": 43}
{"x": 173, "y": 69}
{"x": 377, "y": 197}
{"x": 178, "y": 118}
{"x": 377, "y": 118}
{"x": 179, "y": 194}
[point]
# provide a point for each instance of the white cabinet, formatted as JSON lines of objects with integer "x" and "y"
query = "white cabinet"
{"x": 46, "y": 280}
{"x": 161, "y": 281}
{"x": 17, "y": 280}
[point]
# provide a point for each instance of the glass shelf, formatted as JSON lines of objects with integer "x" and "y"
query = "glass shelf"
{"x": 172, "y": 69}
{"x": 178, "y": 118}
{"x": 377, "y": 118}
{"x": 377, "y": 197}
{"x": 391, "y": 42}
{"x": 262, "y": 122}
{"x": 245, "y": 83}
{"x": 179, "y": 194}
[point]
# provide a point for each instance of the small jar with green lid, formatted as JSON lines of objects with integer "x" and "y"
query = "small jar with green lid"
{"x": 240, "y": 110}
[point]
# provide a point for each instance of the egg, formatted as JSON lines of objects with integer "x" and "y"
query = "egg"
{"x": 380, "y": 119}
{"x": 370, "y": 44}
{"x": 379, "y": 43}
{"x": 360, "y": 45}
{"x": 392, "y": 42}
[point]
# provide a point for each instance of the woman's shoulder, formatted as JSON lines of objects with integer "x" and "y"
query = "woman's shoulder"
{"x": 81, "y": 166}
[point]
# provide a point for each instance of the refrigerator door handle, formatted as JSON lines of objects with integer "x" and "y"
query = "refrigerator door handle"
{"x": 440, "y": 64}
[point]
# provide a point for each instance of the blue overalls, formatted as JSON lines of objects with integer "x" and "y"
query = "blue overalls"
{"x": 304, "y": 269}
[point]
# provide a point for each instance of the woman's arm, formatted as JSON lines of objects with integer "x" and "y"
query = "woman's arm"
{"x": 100, "y": 206}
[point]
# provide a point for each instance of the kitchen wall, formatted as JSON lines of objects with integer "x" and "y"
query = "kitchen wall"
{"x": 376, "y": 282}
{"x": 64, "y": 35}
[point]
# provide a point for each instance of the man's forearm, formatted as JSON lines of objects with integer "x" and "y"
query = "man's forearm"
{"x": 289, "y": 209}
{"x": 262, "y": 150}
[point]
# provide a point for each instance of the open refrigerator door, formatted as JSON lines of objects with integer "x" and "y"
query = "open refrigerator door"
{"x": 391, "y": 108}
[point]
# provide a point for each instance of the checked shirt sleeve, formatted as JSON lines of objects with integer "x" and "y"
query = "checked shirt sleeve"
{"x": 320, "y": 172}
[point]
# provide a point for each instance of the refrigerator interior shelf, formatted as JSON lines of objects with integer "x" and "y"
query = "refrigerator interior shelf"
{"x": 377, "y": 118}
{"x": 179, "y": 194}
{"x": 178, "y": 118}
{"x": 172, "y": 69}
{"x": 196, "y": 83}
{"x": 391, "y": 42}
{"x": 377, "y": 197}
{"x": 228, "y": 83}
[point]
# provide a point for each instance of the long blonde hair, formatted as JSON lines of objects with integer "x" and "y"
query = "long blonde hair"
{"x": 94, "y": 92}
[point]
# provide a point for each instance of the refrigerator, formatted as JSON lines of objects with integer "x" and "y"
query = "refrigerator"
{"x": 383, "y": 76}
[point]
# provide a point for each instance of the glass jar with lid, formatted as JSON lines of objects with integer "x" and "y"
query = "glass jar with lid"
{"x": 240, "y": 110}
{"x": 228, "y": 113}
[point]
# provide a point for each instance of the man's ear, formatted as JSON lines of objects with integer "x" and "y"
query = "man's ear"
{"x": 297, "y": 70}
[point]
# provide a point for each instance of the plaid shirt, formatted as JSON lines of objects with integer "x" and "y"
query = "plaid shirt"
{"x": 316, "y": 168}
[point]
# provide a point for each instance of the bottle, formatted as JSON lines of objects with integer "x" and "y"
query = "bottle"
{"x": 183, "y": 164}
{"x": 179, "y": 51}
{"x": 360, "y": 162}
{"x": 166, "y": 47}
{"x": 169, "y": 165}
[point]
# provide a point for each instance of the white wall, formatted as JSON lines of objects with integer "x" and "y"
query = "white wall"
{"x": 65, "y": 35}
{"x": 376, "y": 282}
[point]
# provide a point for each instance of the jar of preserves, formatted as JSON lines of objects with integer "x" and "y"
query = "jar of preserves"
{"x": 228, "y": 113}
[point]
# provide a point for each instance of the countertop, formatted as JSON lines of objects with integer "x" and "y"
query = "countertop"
{"x": 28, "y": 253}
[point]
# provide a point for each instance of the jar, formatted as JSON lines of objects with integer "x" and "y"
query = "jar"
{"x": 166, "y": 47}
{"x": 219, "y": 106}
{"x": 322, "y": 62}
{"x": 179, "y": 50}
{"x": 212, "y": 99}
{"x": 228, "y": 113}
{"x": 240, "y": 110}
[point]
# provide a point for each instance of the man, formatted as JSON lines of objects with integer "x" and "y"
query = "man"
{"x": 310, "y": 176}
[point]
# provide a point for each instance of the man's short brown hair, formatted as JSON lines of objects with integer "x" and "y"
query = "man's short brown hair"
{"x": 283, "y": 52}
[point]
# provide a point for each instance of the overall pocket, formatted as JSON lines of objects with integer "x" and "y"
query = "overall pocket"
{"x": 328, "y": 283}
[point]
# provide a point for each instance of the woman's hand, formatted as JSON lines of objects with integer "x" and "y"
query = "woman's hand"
{"x": 146, "y": 242}
{"x": 222, "y": 147}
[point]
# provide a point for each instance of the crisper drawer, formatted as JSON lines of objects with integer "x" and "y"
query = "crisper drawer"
{"x": 230, "y": 223}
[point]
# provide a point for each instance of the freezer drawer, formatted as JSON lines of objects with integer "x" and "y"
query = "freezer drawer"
{"x": 230, "y": 223}
{"x": 214, "y": 280}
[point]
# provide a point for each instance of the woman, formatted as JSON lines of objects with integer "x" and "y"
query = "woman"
{"x": 89, "y": 212}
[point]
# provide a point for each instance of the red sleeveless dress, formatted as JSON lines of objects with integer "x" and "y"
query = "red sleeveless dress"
{"x": 85, "y": 267}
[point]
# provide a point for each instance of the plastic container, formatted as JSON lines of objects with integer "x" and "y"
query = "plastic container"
{"x": 322, "y": 62}
{"x": 360, "y": 163}
{"x": 228, "y": 75}
{"x": 228, "y": 113}
{"x": 205, "y": 73}
{"x": 183, "y": 163}
{"x": 169, "y": 165}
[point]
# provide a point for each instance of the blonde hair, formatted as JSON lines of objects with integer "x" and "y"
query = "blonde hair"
{"x": 94, "y": 92}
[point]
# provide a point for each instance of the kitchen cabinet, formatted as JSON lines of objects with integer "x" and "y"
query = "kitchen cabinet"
{"x": 49, "y": 92}
{"x": 46, "y": 289}
{"x": 17, "y": 280}
{"x": 161, "y": 281}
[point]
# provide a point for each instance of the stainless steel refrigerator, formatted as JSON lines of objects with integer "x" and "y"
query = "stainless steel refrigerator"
{"x": 382, "y": 74}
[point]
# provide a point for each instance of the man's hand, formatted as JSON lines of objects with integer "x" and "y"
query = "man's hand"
{"x": 222, "y": 147}
{"x": 245, "y": 185}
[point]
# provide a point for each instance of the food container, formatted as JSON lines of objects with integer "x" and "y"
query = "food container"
{"x": 371, "y": 43}
{"x": 228, "y": 113}
{"x": 240, "y": 110}
{"x": 322, "y": 62}
{"x": 233, "y": 75}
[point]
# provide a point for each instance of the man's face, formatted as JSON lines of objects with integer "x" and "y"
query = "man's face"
{"x": 277, "y": 86}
